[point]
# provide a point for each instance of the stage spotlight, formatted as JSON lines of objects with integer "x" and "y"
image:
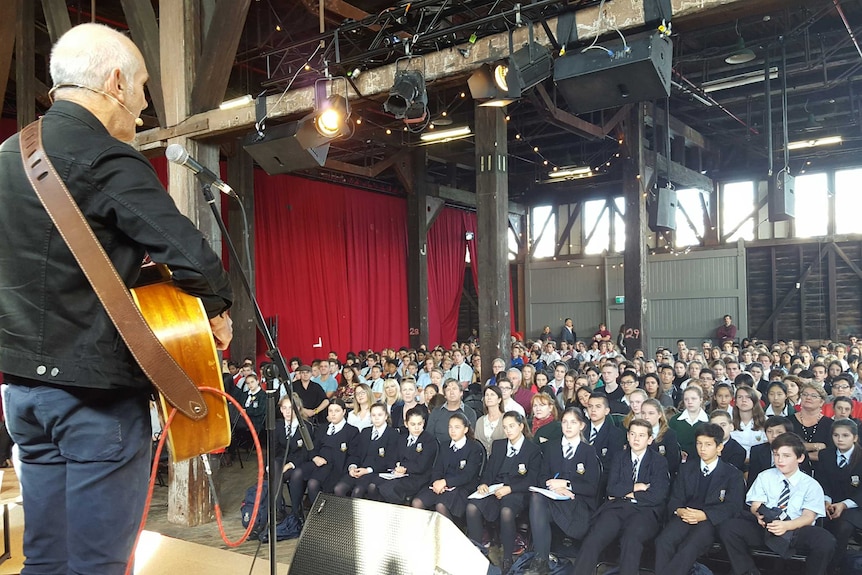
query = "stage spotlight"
{"x": 502, "y": 83}
{"x": 408, "y": 99}
{"x": 331, "y": 120}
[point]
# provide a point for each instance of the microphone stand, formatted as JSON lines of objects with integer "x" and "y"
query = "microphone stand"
{"x": 278, "y": 366}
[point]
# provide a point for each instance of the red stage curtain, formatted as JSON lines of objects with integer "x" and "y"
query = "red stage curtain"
{"x": 331, "y": 264}
{"x": 447, "y": 248}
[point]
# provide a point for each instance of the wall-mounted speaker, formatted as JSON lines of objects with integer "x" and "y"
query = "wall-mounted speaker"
{"x": 782, "y": 197}
{"x": 285, "y": 148}
{"x": 662, "y": 211}
{"x": 344, "y": 536}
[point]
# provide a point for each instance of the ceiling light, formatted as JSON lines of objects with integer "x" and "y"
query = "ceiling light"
{"x": 502, "y": 83}
{"x": 331, "y": 119}
{"x": 236, "y": 102}
{"x": 740, "y": 54}
{"x": 582, "y": 172}
{"x": 812, "y": 143}
{"x": 408, "y": 99}
{"x": 738, "y": 80}
{"x": 446, "y": 135}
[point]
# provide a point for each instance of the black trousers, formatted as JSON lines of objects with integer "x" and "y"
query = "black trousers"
{"x": 680, "y": 544}
{"x": 634, "y": 526}
{"x": 740, "y": 534}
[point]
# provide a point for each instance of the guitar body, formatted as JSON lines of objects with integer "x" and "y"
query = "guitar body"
{"x": 181, "y": 325}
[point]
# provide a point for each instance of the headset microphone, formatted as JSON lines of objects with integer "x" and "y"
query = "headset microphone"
{"x": 138, "y": 121}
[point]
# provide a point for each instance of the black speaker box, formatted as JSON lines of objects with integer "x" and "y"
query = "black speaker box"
{"x": 782, "y": 197}
{"x": 594, "y": 80}
{"x": 283, "y": 149}
{"x": 344, "y": 536}
{"x": 662, "y": 211}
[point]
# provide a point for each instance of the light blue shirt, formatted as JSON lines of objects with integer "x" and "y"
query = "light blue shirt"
{"x": 805, "y": 492}
{"x": 460, "y": 373}
{"x": 329, "y": 385}
{"x": 423, "y": 379}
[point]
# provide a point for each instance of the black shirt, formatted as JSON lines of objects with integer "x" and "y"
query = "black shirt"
{"x": 311, "y": 398}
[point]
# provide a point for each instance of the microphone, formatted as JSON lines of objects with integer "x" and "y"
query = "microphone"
{"x": 178, "y": 155}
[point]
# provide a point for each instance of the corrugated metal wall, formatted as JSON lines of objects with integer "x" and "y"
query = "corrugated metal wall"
{"x": 687, "y": 295}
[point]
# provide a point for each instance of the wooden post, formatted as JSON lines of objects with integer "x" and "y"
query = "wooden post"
{"x": 635, "y": 257}
{"x": 25, "y": 58}
{"x": 417, "y": 241}
{"x": 240, "y": 171}
{"x": 492, "y": 191}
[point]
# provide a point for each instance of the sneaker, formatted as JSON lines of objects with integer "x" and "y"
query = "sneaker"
{"x": 520, "y": 545}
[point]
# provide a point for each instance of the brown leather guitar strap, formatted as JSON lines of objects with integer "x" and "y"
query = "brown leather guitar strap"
{"x": 158, "y": 365}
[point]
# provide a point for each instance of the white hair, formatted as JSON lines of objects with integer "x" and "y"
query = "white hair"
{"x": 87, "y": 55}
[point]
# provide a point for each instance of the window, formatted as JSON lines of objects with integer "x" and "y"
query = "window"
{"x": 848, "y": 202}
{"x": 812, "y": 206}
{"x": 619, "y": 225}
{"x": 513, "y": 245}
{"x": 736, "y": 211}
{"x": 597, "y": 226}
{"x": 689, "y": 200}
{"x": 544, "y": 245}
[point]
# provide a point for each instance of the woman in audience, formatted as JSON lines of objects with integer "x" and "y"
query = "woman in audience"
{"x": 428, "y": 393}
{"x": 347, "y": 387}
{"x": 528, "y": 378}
{"x": 408, "y": 402}
{"x": 456, "y": 471}
{"x": 378, "y": 445}
{"x": 809, "y": 423}
{"x": 512, "y": 468}
{"x": 363, "y": 399}
{"x": 489, "y": 427}
{"x": 776, "y": 394}
{"x": 334, "y": 445}
{"x": 680, "y": 373}
{"x": 415, "y": 456}
{"x": 665, "y": 441}
{"x": 290, "y": 451}
{"x": 691, "y": 417}
{"x": 570, "y": 468}
{"x": 748, "y": 418}
{"x": 544, "y": 423}
{"x": 391, "y": 395}
{"x": 838, "y": 471}
{"x": 652, "y": 386}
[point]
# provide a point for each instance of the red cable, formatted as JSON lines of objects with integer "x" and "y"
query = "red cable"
{"x": 217, "y": 506}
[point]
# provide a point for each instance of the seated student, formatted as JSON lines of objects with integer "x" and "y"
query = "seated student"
{"x": 843, "y": 386}
{"x": 334, "y": 445}
{"x": 545, "y": 424}
{"x": 414, "y": 458}
{"x": 798, "y": 501}
{"x": 732, "y": 452}
{"x": 290, "y": 450}
{"x": 606, "y": 438}
{"x": 686, "y": 422}
{"x": 842, "y": 408}
{"x": 514, "y": 463}
{"x": 637, "y": 491}
{"x": 838, "y": 470}
{"x": 254, "y": 403}
{"x": 456, "y": 471}
{"x": 664, "y": 438}
{"x": 570, "y": 467}
{"x": 761, "y": 457}
{"x": 707, "y": 492}
{"x": 376, "y": 454}
{"x": 776, "y": 393}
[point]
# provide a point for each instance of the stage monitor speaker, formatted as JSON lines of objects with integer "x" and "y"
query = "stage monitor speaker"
{"x": 345, "y": 536}
{"x": 662, "y": 211}
{"x": 283, "y": 149}
{"x": 594, "y": 80}
{"x": 782, "y": 197}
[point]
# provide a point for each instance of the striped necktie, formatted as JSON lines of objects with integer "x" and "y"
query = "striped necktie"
{"x": 331, "y": 429}
{"x": 374, "y": 435}
{"x": 635, "y": 470}
{"x": 512, "y": 451}
{"x": 593, "y": 435}
{"x": 842, "y": 461}
{"x": 570, "y": 451}
{"x": 410, "y": 441}
{"x": 785, "y": 495}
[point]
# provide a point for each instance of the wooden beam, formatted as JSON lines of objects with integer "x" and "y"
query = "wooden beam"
{"x": 56, "y": 18}
{"x": 417, "y": 252}
{"x": 635, "y": 256}
{"x": 677, "y": 173}
{"x": 367, "y": 171}
{"x": 753, "y": 214}
{"x": 141, "y": 19}
{"x": 8, "y": 17}
{"x": 656, "y": 117}
{"x": 240, "y": 171}
{"x": 218, "y": 54}
{"x": 449, "y": 62}
{"x": 25, "y": 59}
{"x": 800, "y": 282}
{"x": 843, "y": 255}
{"x": 468, "y": 199}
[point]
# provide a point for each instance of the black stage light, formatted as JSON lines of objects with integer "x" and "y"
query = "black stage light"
{"x": 501, "y": 83}
{"x": 408, "y": 99}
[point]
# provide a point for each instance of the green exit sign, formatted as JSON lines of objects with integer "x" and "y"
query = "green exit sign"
{"x": 620, "y": 299}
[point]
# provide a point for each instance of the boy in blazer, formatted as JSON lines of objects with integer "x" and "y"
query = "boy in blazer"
{"x": 732, "y": 452}
{"x": 707, "y": 492}
{"x": 839, "y": 471}
{"x": 638, "y": 486}
{"x": 606, "y": 438}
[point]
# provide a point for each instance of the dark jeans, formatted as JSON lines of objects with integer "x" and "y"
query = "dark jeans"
{"x": 84, "y": 456}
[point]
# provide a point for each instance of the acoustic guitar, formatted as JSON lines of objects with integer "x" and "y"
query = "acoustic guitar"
{"x": 181, "y": 325}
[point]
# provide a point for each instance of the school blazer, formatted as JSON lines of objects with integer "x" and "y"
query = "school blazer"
{"x": 518, "y": 472}
{"x": 379, "y": 454}
{"x": 583, "y": 470}
{"x": 609, "y": 441}
{"x": 840, "y": 484}
{"x": 725, "y": 493}
{"x": 460, "y": 468}
{"x": 293, "y": 446}
{"x": 734, "y": 454}
{"x": 669, "y": 448}
{"x": 336, "y": 448}
{"x": 419, "y": 458}
{"x": 652, "y": 470}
